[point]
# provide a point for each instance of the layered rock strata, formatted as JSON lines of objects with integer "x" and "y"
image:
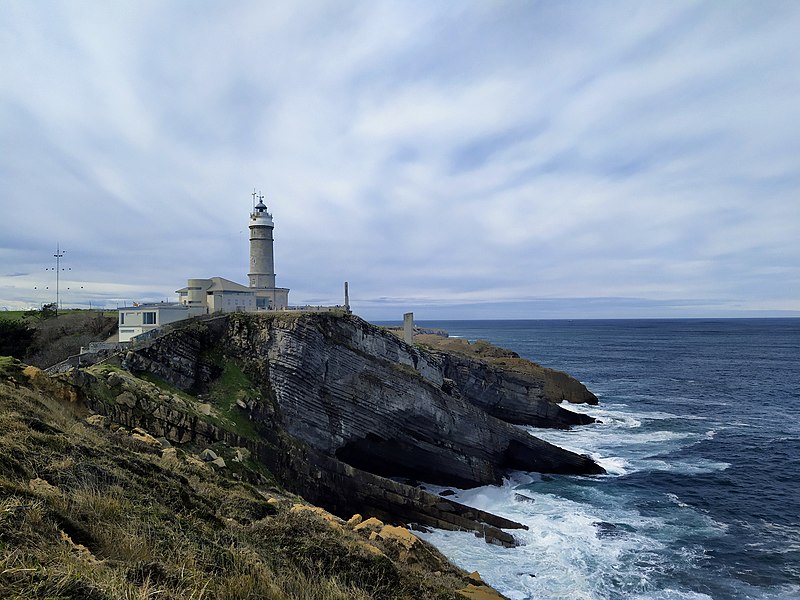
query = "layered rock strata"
{"x": 356, "y": 392}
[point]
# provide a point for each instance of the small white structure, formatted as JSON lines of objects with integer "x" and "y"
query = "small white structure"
{"x": 138, "y": 319}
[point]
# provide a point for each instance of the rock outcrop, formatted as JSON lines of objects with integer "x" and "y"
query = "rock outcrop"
{"x": 537, "y": 382}
{"x": 355, "y": 392}
{"x": 512, "y": 396}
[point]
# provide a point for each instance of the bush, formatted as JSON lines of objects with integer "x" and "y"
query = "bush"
{"x": 15, "y": 338}
{"x": 57, "y": 339}
{"x": 48, "y": 311}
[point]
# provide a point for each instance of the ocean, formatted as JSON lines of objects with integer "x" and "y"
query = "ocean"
{"x": 699, "y": 431}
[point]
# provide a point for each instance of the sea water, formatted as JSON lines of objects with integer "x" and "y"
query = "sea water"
{"x": 699, "y": 432}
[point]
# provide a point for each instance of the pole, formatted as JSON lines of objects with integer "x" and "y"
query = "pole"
{"x": 58, "y": 256}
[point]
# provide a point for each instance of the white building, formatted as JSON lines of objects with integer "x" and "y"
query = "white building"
{"x": 222, "y": 295}
{"x": 218, "y": 295}
{"x": 138, "y": 319}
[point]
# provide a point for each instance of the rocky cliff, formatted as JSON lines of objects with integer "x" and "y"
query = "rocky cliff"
{"x": 334, "y": 406}
{"x": 356, "y": 392}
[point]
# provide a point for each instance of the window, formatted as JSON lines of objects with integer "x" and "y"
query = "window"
{"x": 148, "y": 318}
{"x": 122, "y": 318}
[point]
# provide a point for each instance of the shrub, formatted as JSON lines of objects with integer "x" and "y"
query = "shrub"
{"x": 15, "y": 338}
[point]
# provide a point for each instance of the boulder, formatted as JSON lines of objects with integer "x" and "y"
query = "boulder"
{"x": 114, "y": 380}
{"x": 354, "y": 520}
{"x": 208, "y": 455}
{"x": 369, "y": 526}
{"x": 44, "y": 487}
{"x": 126, "y": 398}
{"x": 331, "y": 520}
{"x": 404, "y": 543}
{"x": 97, "y": 420}
{"x": 240, "y": 454}
{"x": 144, "y": 437}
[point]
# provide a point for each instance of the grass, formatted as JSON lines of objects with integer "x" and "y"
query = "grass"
{"x": 20, "y": 314}
{"x": 9, "y": 367}
{"x": 232, "y": 385}
{"x": 165, "y": 386}
{"x": 12, "y": 315}
{"x": 86, "y": 513}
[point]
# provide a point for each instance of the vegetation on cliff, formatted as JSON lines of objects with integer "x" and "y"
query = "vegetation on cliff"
{"x": 93, "y": 510}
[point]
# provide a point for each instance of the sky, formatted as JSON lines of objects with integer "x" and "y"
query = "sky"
{"x": 460, "y": 160}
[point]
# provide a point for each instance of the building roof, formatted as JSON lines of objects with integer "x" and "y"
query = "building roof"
{"x": 220, "y": 284}
{"x": 154, "y": 306}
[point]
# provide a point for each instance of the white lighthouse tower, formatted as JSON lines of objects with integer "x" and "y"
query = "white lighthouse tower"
{"x": 262, "y": 261}
{"x": 261, "y": 278}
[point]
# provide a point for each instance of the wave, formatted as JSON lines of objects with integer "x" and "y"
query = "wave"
{"x": 576, "y": 547}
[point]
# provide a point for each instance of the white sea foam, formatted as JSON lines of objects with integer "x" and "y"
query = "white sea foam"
{"x": 674, "y": 498}
{"x": 626, "y": 441}
{"x": 583, "y": 542}
{"x": 614, "y": 465}
{"x": 573, "y": 549}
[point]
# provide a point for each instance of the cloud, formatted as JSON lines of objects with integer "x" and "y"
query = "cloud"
{"x": 473, "y": 154}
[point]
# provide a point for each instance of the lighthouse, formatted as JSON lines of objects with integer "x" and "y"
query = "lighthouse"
{"x": 219, "y": 295}
{"x": 262, "y": 261}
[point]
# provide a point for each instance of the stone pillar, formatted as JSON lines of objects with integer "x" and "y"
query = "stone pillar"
{"x": 408, "y": 328}
{"x": 346, "y": 297}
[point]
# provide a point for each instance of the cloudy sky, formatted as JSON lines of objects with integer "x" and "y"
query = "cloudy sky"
{"x": 460, "y": 159}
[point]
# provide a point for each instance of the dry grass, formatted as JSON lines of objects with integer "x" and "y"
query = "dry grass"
{"x": 108, "y": 519}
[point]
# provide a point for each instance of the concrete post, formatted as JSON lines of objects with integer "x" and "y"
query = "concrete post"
{"x": 408, "y": 328}
{"x": 346, "y": 297}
